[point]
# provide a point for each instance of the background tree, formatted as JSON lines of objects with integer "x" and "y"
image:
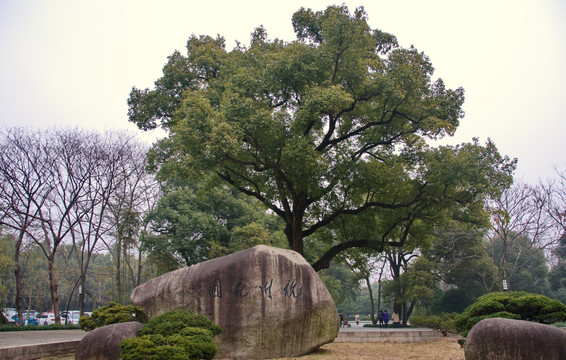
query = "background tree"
{"x": 366, "y": 266}
{"x": 518, "y": 221}
{"x": 197, "y": 221}
{"x": 557, "y": 275}
{"x": 25, "y": 184}
{"x": 322, "y": 127}
{"x": 6, "y": 267}
{"x": 135, "y": 195}
{"x": 463, "y": 268}
{"x": 119, "y": 153}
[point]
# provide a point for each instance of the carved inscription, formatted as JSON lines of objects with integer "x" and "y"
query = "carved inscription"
{"x": 292, "y": 289}
{"x": 266, "y": 289}
{"x": 240, "y": 289}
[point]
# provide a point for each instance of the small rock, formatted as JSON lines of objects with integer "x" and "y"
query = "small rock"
{"x": 506, "y": 339}
{"x": 103, "y": 343}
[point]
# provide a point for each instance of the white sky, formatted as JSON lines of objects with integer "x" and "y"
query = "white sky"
{"x": 73, "y": 63}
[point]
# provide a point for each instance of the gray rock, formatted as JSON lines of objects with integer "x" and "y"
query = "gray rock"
{"x": 505, "y": 339}
{"x": 103, "y": 343}
{"x": 270, "y": 302}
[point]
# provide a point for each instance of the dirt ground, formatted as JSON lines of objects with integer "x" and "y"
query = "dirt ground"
{"x": 441, "y": 349}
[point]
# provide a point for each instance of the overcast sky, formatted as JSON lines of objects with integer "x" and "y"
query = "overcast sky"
{"x": 73, "y": 63}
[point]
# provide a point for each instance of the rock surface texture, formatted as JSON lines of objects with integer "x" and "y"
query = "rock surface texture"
{"x": 505, "y": 339}
{"x": 103, "y": 343}
{"x": 269, "y": 301}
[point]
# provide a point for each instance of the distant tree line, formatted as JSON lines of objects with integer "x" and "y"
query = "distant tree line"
{"x": 66, "y": 195}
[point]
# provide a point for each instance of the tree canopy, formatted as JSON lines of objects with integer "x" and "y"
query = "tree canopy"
{"x": 327, "y": 126}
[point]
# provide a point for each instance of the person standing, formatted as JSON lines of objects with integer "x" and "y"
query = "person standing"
{"x": 380, "y": 318}
{"x": 396, "y": 321}
{"x": 341, "y": 319}
{"x": 357, "y": 318}
{"x": 386, "y": 318}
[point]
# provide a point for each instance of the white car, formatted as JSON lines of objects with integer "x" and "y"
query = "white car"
{"x": 9, "y": 313}
{"x": 46, "y": 318}
{"x": 70, "y": 317}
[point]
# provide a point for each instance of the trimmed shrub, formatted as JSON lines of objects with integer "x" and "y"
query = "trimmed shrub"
{"x": 443, "y": 322}
{"x": 173, "y": 335}
{"x": 112, "y": 314}
{"x": 172, "y": 322}
{"x": 517, "y": 305}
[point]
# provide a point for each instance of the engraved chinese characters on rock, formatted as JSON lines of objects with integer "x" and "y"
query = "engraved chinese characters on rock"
{"x": 292, "y": 289}
{"x": 240, "y": 289}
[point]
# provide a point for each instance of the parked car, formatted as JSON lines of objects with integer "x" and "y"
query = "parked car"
{"x": 29, "y": 318}
{"x": 70, "y": 317}
{"x": 46, "y": 318}
{"x": 9, "y": 314}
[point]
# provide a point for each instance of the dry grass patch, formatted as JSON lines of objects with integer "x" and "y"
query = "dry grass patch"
{"x": 442, "y": 349}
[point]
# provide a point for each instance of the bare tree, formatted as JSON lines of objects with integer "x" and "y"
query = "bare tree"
{"x": 554, "y": 193}
{"x": 520, "y": 222}
{"x": 25, "y": 185}
{"x": 73, "y": 164}
{"x": 111, "y": 152}
{"x": 133, "y": 197}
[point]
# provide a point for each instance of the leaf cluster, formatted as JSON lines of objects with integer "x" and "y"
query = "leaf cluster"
{"x": 112, "y": 313}
{"x": 443, "y": 322}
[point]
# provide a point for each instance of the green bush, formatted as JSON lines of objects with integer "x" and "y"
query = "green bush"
{"x": 443, "y": 322}
{"x": 172, "y": 322}
{"x": 112, "y": 314}
{"x": 511, "y": 305}
{"x": 173, "y": 335}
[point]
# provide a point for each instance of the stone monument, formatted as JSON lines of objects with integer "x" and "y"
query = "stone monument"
{"x": 269, "y": 301}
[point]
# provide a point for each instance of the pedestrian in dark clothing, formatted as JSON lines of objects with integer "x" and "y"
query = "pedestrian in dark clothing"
{"x": 341, "y": 319}
{"x": 380, "y": 318}
{"x": 386, "y": 318}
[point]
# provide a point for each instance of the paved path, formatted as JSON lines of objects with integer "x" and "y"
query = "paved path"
{"x": 34, "y": 337}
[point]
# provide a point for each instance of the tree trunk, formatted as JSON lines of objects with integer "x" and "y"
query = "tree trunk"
{"x": 372, "y": 307}
{"x": 409, "y": 312}
{"x": 53, "y": 286}
{"x": 118, "y": 271}
{"x": 82, "y": 290}
{"x": 19, "y": 288}
{"x": 19, "y": 277}
{"x": 404, "y": 312}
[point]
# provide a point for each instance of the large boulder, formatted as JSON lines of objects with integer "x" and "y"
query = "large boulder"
{"x": 269, "y": 301}
{"x": 506, "y": 339}
{"x": 103, "y": 343}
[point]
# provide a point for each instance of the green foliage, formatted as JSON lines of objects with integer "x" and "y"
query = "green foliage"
{"x": 332, "y": 124}
{"x": 174, "y": 321}
{"x": 452, "y": 301}
{"x": 443, "y": 322}
{"x": 12, "y": 327}
{"x": 112, "y": 314}
{"x": 197, "y": 221}
{"x": 173, "y": 335}
{"x": 511, "y": 305}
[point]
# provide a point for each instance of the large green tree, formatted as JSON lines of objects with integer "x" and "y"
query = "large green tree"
{"x": 330, "y": 125}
